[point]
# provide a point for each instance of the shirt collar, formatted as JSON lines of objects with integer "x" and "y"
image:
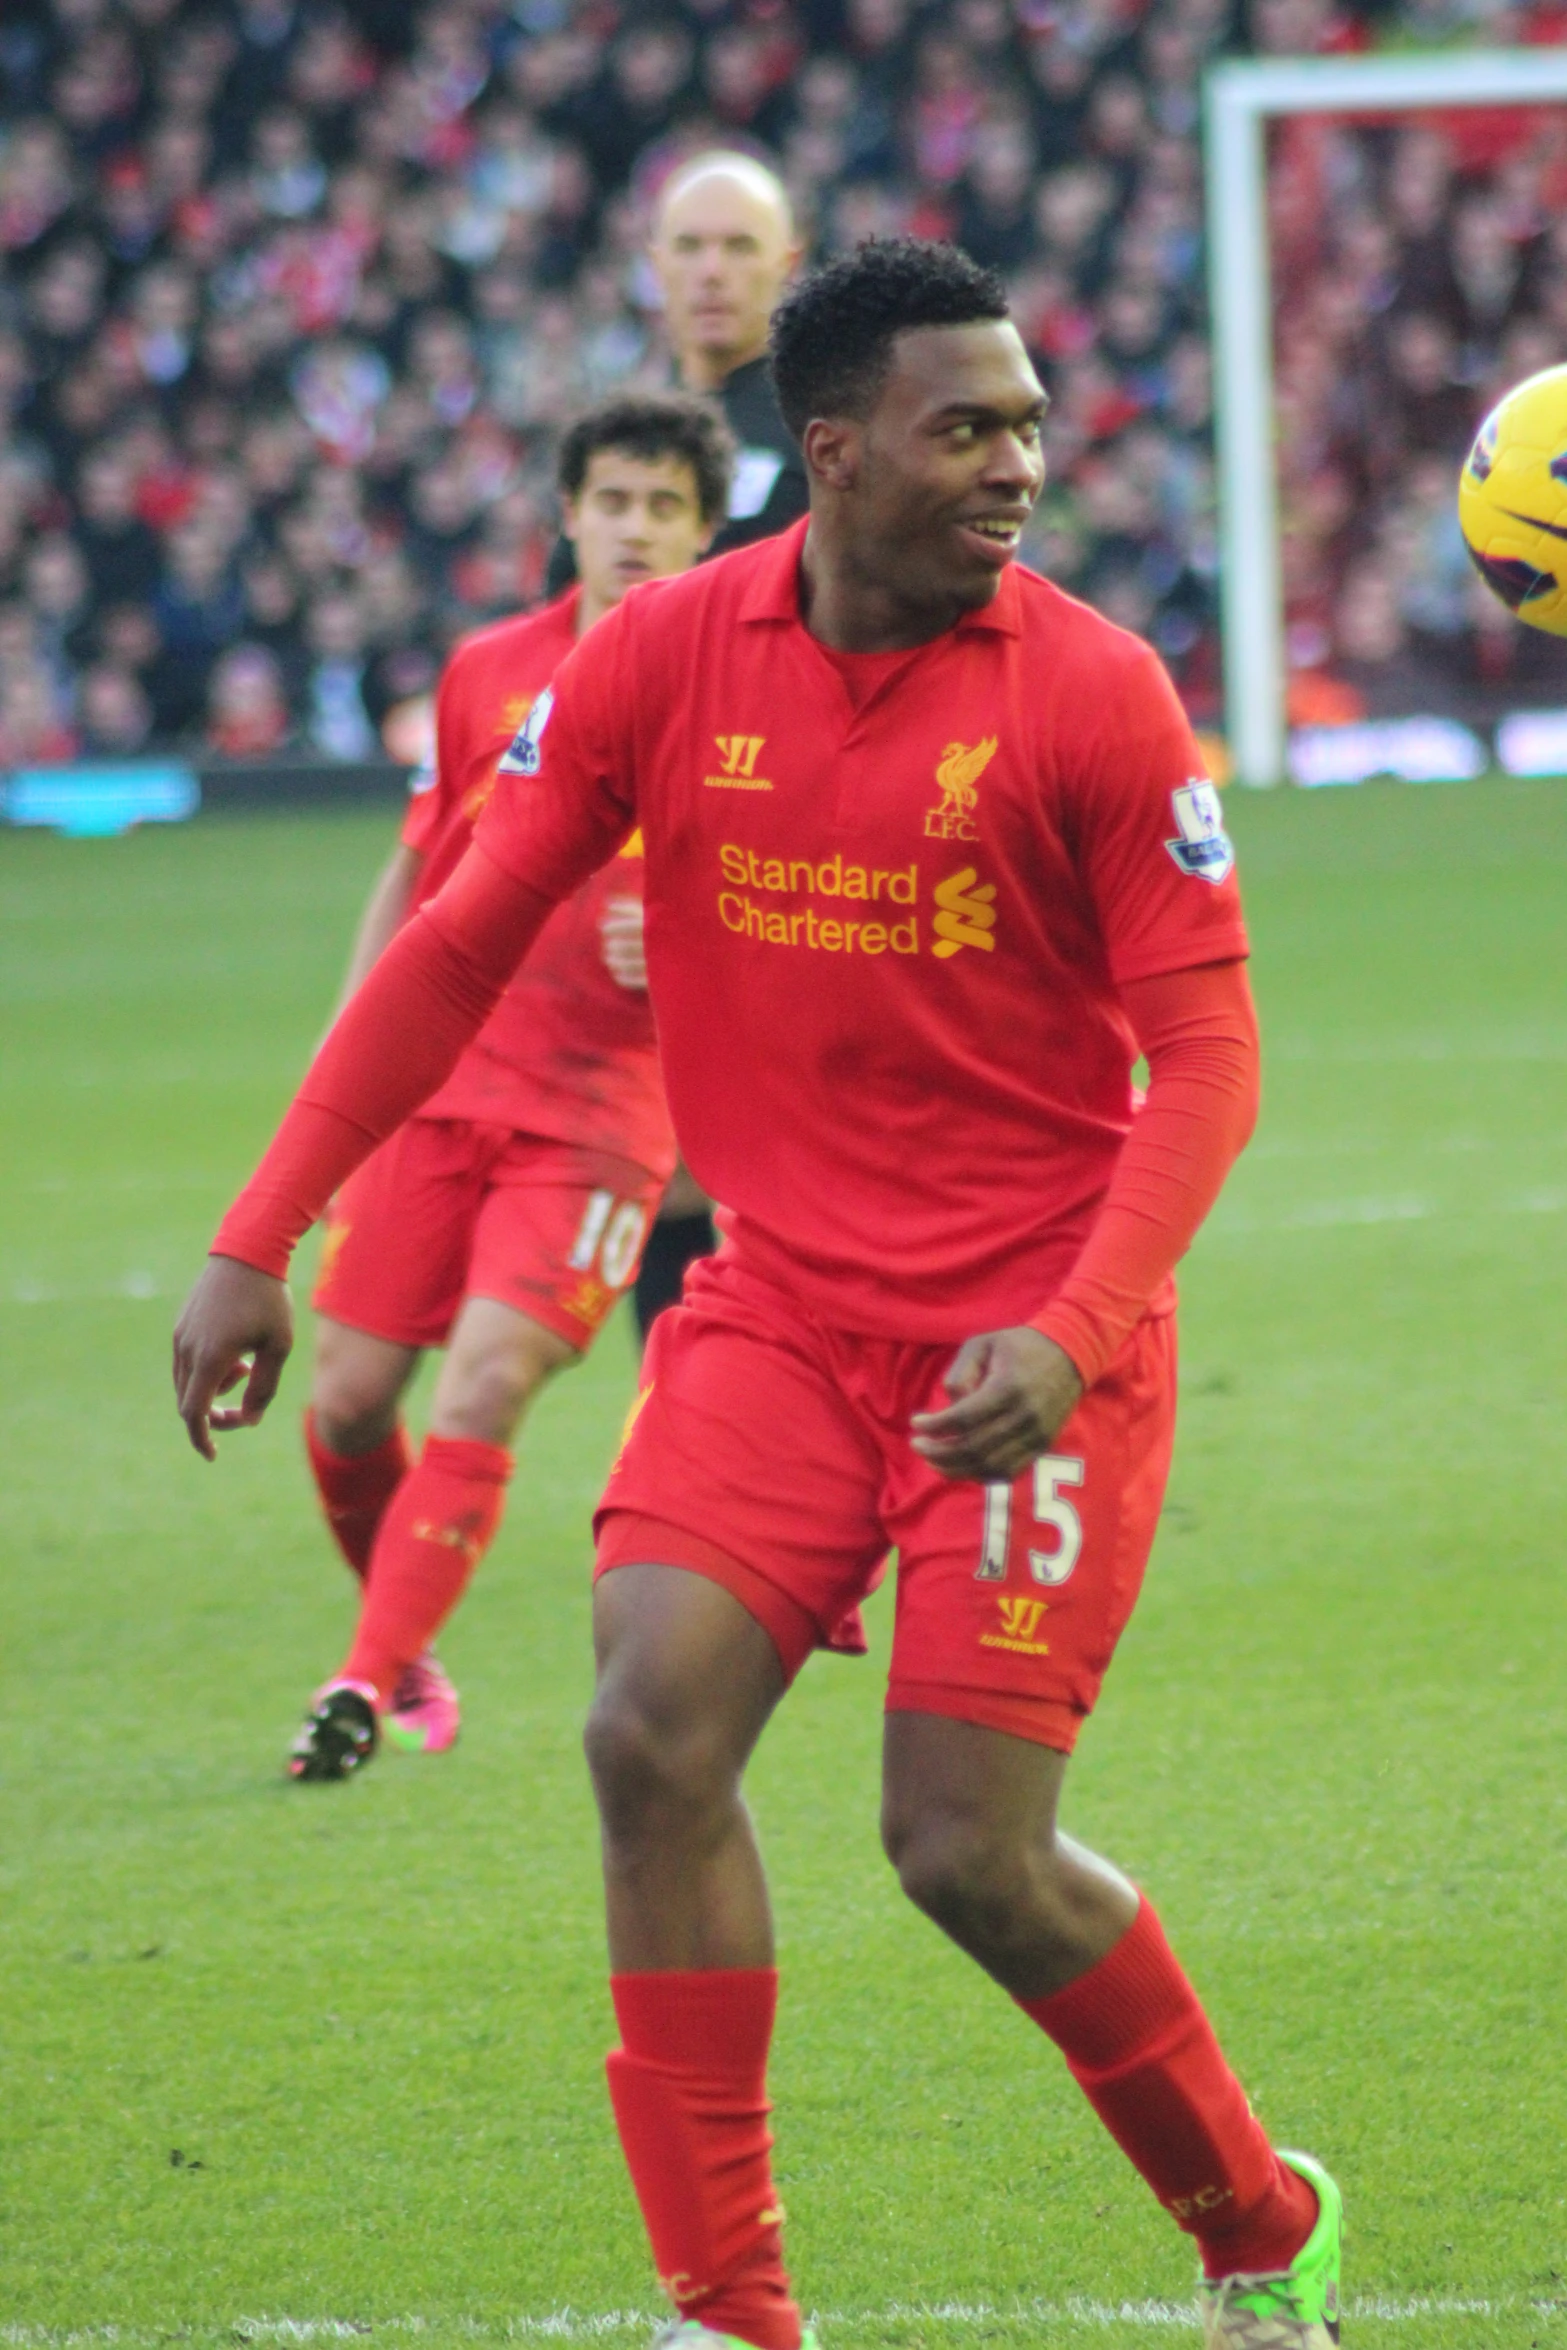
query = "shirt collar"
{"x": 774, "y": 590}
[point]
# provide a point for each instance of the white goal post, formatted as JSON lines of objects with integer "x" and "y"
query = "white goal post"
{"x": 1239, "y": 98}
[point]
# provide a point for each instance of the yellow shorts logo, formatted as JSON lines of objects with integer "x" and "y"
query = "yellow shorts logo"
{"x": 590, "y": 1301}
{"x": 965, "y": 914}
{"x": 1020, "y": 1621}
{"x": 331, "y": 1247}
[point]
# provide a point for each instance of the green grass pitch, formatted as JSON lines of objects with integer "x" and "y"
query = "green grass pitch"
{"x": 281, "y": 2064}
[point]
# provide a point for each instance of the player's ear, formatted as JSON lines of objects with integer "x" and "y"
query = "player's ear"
{"x": 569, "y": 514}
{"x": 831, "y": 448}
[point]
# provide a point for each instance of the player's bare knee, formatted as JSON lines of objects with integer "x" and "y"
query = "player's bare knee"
{"x": 353, "y": 1400}
{"x": 951, "y": 1869}
{"x": 653, "y": 1773}
{"x": 488, "y": 1403}
{"x": 993, "y": 1892}
{"x": 348, "y": 1424}
{"x": 497, "y": 1364}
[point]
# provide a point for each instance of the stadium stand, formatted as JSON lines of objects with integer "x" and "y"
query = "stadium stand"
{"x": 296, "y": 298}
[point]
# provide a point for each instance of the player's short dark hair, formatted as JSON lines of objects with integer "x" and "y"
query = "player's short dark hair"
{"x": 832, "y": 334}
{"x": 651, "y": 425}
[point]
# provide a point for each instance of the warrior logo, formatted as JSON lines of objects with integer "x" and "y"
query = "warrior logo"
{"x": 1020, "y": 1617}
{"x": 1019, "y": 1627}
{"x": 737, "y": 755}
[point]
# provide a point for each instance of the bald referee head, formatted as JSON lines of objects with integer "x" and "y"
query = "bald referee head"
{"x": 723, "y": 247}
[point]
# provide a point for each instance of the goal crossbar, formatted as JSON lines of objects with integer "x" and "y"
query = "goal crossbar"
{"x": 1239, "y": 98}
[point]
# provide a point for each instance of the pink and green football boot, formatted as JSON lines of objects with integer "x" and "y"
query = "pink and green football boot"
{"x": 424, "y": 1716}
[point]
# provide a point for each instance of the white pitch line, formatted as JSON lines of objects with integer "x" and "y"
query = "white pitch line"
{"x": 136, "y": 1286}
{"x": 1343, "y": 1215}
{"x": 580, "y": 2325}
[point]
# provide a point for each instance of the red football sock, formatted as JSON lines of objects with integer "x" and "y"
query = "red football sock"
{"x": 689, "y": 2088}
{"x": 438, "y": 1526}
{"x": 1140, "y": 2048}
{"x": 355, "y": 1489}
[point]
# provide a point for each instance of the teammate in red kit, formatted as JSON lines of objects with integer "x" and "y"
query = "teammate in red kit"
{"x": 929, "y": 858}
{"x": 506, "y": 1218}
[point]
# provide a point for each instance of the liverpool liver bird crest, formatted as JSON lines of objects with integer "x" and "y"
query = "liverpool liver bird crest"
{"x": 957, "y": 771}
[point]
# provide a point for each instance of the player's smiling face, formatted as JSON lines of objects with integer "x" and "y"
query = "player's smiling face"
{"x": 949, "y": 462}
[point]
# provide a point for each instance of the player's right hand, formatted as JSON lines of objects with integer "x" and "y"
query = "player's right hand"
{"x": 237, "y": 1324}
{"x": 1011, "y": 1390}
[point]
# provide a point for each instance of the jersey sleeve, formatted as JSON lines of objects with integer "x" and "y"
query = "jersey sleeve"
{"x": 564, "y": 798}
{"x": 1149, "y": 831}
{"x": 1199, "y": 1032}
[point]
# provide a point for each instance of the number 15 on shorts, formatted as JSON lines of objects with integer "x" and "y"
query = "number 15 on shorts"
{"x": 1052, "y": 1513}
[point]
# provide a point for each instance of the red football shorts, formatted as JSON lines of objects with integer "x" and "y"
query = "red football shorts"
{"x": 448, "y": 1208}
{"x": 772, "y": 1454}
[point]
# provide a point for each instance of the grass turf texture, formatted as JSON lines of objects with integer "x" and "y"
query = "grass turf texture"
{"x": 279, "y": 2058}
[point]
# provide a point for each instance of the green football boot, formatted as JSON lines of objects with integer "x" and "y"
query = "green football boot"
{"x": 1297, "y": 2310}
{"x": 689, "y": 2333}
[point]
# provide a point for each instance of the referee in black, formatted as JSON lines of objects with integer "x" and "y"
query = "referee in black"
{"x": 723, "y": 247}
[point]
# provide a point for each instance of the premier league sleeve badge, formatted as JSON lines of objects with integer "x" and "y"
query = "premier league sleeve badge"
{"x": 1203, "y": 847}
{"x": 523, "y": 756}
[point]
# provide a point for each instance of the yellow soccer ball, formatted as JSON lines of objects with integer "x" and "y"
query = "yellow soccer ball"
{"x": 1512, "y": 500}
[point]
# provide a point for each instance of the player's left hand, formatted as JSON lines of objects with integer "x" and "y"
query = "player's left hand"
{"x": 238, "y": 1324}
{"x": 1011, "y": 1391}
{"x": 620, "y": 928}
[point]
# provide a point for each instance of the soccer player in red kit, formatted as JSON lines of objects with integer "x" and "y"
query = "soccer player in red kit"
{"x": 929, "y": 858}
{"x": 506, "y": 1218}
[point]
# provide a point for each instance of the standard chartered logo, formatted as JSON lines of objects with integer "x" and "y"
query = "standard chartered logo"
{"x": 875, "y": 914}
{"x": 965, "y": 914}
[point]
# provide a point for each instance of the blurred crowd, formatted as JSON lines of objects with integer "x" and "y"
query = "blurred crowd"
{"x": 1422, "y": 268}
{"x": 296, "y": 297}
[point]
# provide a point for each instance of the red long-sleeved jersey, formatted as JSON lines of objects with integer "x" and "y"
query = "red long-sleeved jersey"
{"x": 904, "y": 946}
